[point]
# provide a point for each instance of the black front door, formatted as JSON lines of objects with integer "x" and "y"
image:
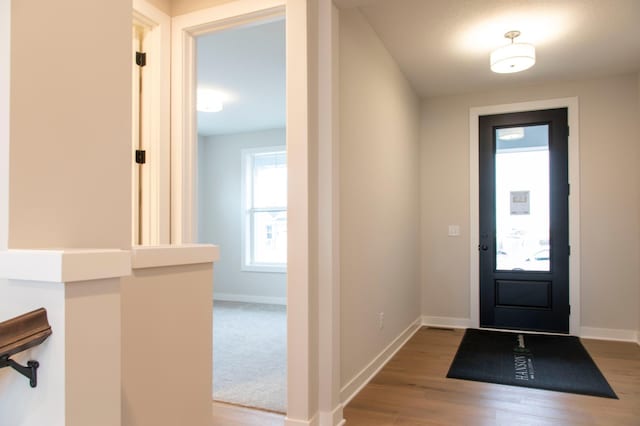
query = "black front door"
{"x": 524, "y": 221}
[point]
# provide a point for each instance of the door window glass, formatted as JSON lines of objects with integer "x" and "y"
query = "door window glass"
{"x": 522, "y": 198}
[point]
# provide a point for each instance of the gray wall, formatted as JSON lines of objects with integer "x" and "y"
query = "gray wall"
{"x": 609, "y": 193}
{"x": 379, "y": 196}
{"x": 220, "y": 218}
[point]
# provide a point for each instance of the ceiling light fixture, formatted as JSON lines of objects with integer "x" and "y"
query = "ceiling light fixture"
{"x": 510, "y": 133}
{"x": 514, "y": 57}
{"x": 209, "y": 101}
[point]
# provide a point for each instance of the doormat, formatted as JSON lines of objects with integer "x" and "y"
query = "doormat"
{"x": 557, "y": 363}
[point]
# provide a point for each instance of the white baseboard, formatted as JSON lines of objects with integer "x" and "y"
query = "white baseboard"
{"x": 609, "y": 334}
{"x": 329, "y": 418}
{"x": 357, "y": 383}
{"x": 229, "y": 297}
{"x": 333, "y": 417}
{"x": 448, "y": 322}
{"x": 295, "y": 422}
{"x": 586, "y": 332}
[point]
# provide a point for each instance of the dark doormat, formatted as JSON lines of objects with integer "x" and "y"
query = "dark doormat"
{"x": 557, "y": 363}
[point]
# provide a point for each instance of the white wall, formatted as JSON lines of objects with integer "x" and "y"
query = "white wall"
{"x": 170, "y": 331}
{"x": 5, "y": 84}
{"x": 610, "y": 202}
{"x": 220, "y": 217}
{"x": 69, "y": 186}
{"x": 70, "y": 156}
{"x": 379, "y": 196}
{"x": 44, "y": 405}
{"x": 180, "y": 7}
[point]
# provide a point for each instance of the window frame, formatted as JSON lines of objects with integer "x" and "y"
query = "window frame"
{"x": 247, "y": 211}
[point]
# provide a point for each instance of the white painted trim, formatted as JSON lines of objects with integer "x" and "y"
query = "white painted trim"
{"x": 247, "y": 298}
{"x": 5, "y": 92}
{"x": 446, "y": 322}
{"x": 334, "y": 417}
{"x": 361, "y": 379}
{"x": 156, "y": 122}
{"x": 184, "y": 144}
{"x": 297, "y": 422}
{"x": 298, "y": 133}
{"x": 328, "y": 216}
{"x": 171, "y": 255}
{"x": 609, "y": 334}
{"x": 60, "y": 266}
{"x": 574, "y": 200}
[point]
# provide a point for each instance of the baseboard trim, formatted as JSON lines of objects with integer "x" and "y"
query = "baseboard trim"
{"x": 449, "y": 322}
{"x": 332, "y": 418}
{"x": 245, "y": 298}
{"x": 360, "y": 380}
{"x": 609, "y": 334}
{"x": 296, "y": 422}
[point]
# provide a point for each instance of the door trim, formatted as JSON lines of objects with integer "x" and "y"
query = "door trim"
{"x": 304, "y": 89}
{"x": 155, "y": 103}
{"x": 574, "y": 201}
{"x": 185, "y": 28}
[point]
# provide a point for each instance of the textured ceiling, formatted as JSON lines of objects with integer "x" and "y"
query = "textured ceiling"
{"x": 443, "y": 46}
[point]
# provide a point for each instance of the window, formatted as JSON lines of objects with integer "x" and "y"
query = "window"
{"x": 264, "y": 209}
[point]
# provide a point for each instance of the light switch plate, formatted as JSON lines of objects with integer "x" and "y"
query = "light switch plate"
{"x": 454, "y": 230}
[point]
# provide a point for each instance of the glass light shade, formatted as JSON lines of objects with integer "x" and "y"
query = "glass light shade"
{"x": 513, "y": 58}
{"x": 208, "y": 101}
{"x": 510, "y": 133}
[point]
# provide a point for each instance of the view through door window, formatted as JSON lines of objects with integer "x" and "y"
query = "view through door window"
{"x": 522, "y": 198}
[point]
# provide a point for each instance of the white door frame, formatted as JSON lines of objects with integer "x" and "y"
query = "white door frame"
{"x": 155, "y": 104}
{"x": 574, "y": 201}
{"x": 185, "y": 28}
{"x": 301, "y": 325}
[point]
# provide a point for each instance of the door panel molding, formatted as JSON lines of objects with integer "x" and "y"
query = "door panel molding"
{"x": 574, "y": 200}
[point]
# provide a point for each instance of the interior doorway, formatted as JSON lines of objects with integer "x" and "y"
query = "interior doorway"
{"x": 241, "y": 200}
{"x": 524, "y": 221}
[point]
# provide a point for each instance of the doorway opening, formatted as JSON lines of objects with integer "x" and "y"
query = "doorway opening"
{"x": 242, "y": 206}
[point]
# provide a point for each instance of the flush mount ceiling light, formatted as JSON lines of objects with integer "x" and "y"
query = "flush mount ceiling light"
{"x": 209, "y": 101}
{"x": 511, "y": 133}
{"x": 514, "y": 57}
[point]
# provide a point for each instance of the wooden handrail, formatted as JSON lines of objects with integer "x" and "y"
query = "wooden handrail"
{"x": 19, "y": 334}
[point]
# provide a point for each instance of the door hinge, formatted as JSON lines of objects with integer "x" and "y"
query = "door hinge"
{"x": 141, "y": 156}
{"x": 568, "y": 131}
{"x": 569, "y": 251}
{"x": 141, "y": 59}
{"x": 568, "y": 189}
{"x": 569, "y": 309}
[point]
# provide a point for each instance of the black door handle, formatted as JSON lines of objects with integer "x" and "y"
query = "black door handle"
{"x": 484, "y": 247}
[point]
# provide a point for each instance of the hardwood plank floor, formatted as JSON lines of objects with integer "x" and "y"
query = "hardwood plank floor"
{"x": 412, "y": 390}
{"x": 233, "y": 415}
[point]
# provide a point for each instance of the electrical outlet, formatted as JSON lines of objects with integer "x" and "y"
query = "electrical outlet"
{"x": 381, "y": 320}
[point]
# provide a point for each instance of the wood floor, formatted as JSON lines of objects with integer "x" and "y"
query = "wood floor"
{"x": 412, "y": 390}
{"x": 232, "y": 415}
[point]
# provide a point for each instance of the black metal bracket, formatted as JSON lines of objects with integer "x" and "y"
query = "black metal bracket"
{"x": 30, "y": 371}
{"x": 141, "y": 156}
